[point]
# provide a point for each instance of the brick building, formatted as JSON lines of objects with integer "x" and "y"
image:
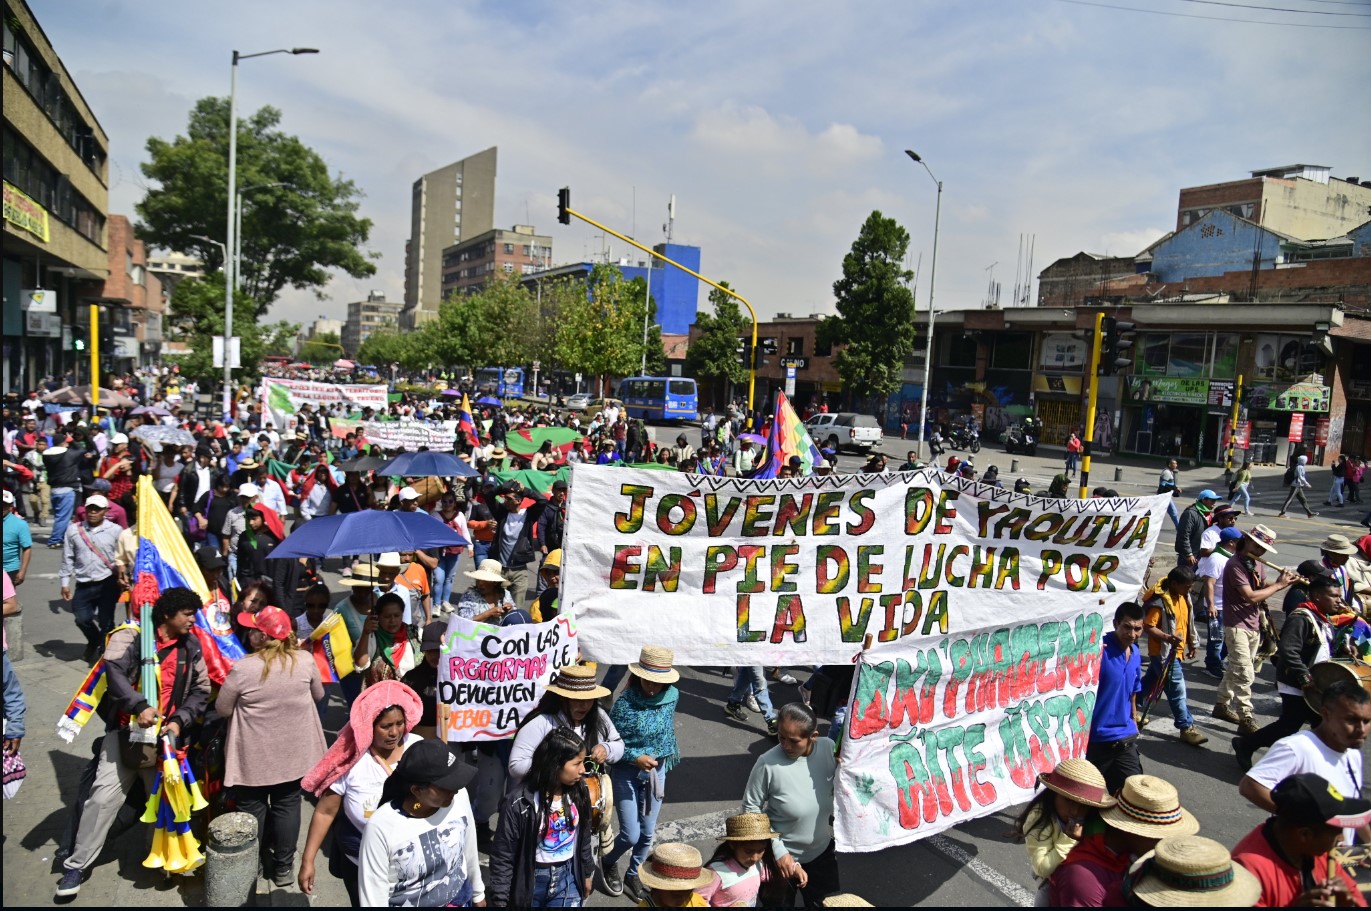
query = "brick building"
{"x": 795, "y": 339}
{"x": 131, "y": 302}
{"x": 469, "y": 265}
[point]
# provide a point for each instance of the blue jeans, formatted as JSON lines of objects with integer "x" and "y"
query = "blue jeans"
{"x": 1174, "y": 689}
{"x": 63, "y": 507}
{"x": 1173, "y": 512}
{"x": 442, "y": 579}
{"x": 751, "y": 678}
{"x": 480, "y": 550}
{"x": 556, "y": 886}
{"x": 1213, "y": 646}
{"x": 93, "y": 605}
{"x": 637, "y": 808}
{"x": 1246, "y": 496}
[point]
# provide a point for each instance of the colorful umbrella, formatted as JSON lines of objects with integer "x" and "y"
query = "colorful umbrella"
{"x": 80, "y": 395}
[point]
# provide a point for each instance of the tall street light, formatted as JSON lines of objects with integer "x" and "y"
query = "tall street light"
{"x": 232, "y": 200}
{"x": 932, "y": 314}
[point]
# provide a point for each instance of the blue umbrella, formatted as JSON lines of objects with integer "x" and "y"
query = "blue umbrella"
{"x": 428, "y": 464}
{"x": 491, "y": 401}
{"x": 370, "y": 531}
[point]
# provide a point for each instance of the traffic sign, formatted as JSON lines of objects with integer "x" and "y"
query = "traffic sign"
{"x": 790, "y": 373}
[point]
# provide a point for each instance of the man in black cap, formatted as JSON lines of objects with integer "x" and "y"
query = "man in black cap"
{"x": 1289, "y": 853}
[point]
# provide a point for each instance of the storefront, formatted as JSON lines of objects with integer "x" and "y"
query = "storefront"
{"x": 1286, "y": 416}
{"x": 1057, "y": 386}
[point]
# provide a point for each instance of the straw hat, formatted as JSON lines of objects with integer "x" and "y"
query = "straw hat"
{"x": 1190, "y": 871}
{"x": 748, "y": 827}
{"x": 1150, "y": 807}
{"x": 846, "y": 900}
{"x": 489, "y": 571}
{"x": 1263, "y": 536}
{"x": 363, "y": 576}
{"x": 576, "y": 681}
{"x": 1324, "y": 674}
{"x": 1078, "y": 780}
{"x": 389, "y": 560}
{"x": 676, "y": 868}
{"x": 1338, "y": 544}
{"x": 654, "y": 663}
{"x": 498, "y": 452}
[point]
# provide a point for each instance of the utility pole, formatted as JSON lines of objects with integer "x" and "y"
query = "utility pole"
{"x": 1093, "y": 376}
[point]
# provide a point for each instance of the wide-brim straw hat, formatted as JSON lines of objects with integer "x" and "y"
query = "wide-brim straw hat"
{"x": 1078, "y": 780}
{"x": 576, "y": 681}
{"x": 489, "y": 571}
{"x": 1150, "y": 807}
{"x": 364, "y": 575}
{"x": 1263, "y": 536}
{"x": 675, "y": 867}
{"x": 748, "y": 827}
{"x": 654, "y": 663}
{"x": 846, "y": 900}
{"x": 1192, "y": 872}
{"x": 1324, "y": 674}
{"x": 1338, "y": 544}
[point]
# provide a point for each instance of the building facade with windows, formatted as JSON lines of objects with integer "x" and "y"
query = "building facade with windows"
{"x": 469, "y": 265}
{"x": 56, "y": 200}
{"x": 447, "y": 206}
{"x": 367, "y": 317}
{"x": 131, "y": 302}
{"x": 1299, "y": 200}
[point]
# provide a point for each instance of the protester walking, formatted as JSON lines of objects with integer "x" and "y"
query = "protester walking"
{"x": 1170, "y": 633}
{"x": 1166, "y": 484}
{"x": 90, "y": 573}
{"x": 1297, "y": 480}
{"x": 645, "y": 715}
{"x": 350, "y": 776}
{"x": 1073, "y": 453}
{"x": 1242, "y": 488}
{"x": 269, "y": 700}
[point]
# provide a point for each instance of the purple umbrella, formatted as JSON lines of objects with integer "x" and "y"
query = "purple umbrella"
{"x": 452, "y": 393}
{"x": 370, "y": 531}
{"x": 755, "y": 438}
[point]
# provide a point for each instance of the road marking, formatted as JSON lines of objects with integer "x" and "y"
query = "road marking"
{"x": 707, "y": 826}
{"x": 1011, "y": 890}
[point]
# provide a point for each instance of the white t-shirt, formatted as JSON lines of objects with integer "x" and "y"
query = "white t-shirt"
{"x": 430, "y": 862}
{"x": 1305, "y": 752}
{"x": 361, "y": 787}
{"x": 1211, "y": 567}
{"x": 558, "y": 842}
{"x": 1209, "y": 539}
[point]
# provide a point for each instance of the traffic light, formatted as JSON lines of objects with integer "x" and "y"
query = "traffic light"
{"x": 563, "y": 205}
{"x": 744, "y": 356}
{"x": 78, "y": 339}
{"x": 106, "y": 338}
{"x": 1113, "y": 345}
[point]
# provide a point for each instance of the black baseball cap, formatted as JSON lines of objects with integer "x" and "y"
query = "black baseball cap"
{"x": 559, "y": 484}
{"x": 209, "y": 558}
{"x": 429, "y": 762}
{"x": 1309, "y": 799}
{"x": 433, "y": 635}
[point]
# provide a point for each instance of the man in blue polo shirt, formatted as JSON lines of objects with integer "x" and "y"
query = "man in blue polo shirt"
{"x": 1113, "y": 731}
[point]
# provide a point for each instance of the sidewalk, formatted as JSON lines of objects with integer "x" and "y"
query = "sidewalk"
{"x": 49, "y": 666}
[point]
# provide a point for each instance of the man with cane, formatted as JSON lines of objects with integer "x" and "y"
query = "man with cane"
{"x": 1171, "y": 637}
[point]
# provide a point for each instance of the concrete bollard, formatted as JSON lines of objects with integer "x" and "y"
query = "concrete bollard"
{"x": 1013, "y": 466}
{"x": 231, "y": 861}
{"x": 14, "y": 634}
{"x": 1118, "y": 474}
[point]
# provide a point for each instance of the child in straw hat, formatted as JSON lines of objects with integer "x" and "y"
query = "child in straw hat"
{"x": 671, "y": 876}
{"x": 1056, "y": 819}
{"x": 744, "y": 867}
{"x": 1190, "y": 872}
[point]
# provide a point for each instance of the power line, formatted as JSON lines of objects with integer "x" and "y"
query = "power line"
{"x": 1158, "y": 12}
{"x": 1277, "y": 9}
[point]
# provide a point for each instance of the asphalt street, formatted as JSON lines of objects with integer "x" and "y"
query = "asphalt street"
{"x": 973, "y": 864}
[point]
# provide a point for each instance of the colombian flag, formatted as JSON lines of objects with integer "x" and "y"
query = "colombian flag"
{"x": 788, "y": 438}
{"x": 164, "y": 561}
{"x": 331, "y": 647}
{"x": 465, "y": 423}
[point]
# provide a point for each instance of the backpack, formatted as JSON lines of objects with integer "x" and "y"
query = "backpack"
{"x": 1289, "y": 476}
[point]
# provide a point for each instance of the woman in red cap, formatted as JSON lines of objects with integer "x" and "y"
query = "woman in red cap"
{"x": 274, "y": 736}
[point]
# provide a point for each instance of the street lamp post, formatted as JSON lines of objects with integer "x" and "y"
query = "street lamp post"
{"x": 932, "y": 314}
{"x": 229, "y": 246}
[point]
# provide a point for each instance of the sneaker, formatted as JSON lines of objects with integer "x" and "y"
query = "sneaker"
{"x": 750, "y": 703}
{"x": 772, "y": 725}
{"x": 1224, "y": 713}
{"x": 1280, "y": 515}
{"x": 1247, "y": 726}
{"x": 283, "y": 877}
{"x": 70, "y": 883}
{"x": 1243, "y": 753}
{"x": 1313, "y": 515}
{"x": 1193, "y": 737}
{"x": 614, "y": 883}
{"x": 735, "y": 711}
{"x": 781, "y": 676}
{"x": 634, "y": 889}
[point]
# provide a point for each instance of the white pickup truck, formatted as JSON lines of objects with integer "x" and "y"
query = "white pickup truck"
{"x": 844, "y": 429}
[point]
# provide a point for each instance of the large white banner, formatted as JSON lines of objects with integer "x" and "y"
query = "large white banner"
{"x": 281, "y": 399}
{"x": 986, "y": 610}
{"x": 490, "y": 677}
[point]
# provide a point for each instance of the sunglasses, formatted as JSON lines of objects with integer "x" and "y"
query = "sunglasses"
{"x": 96, "y": 508}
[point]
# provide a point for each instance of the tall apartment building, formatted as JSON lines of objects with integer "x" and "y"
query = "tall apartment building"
{"x": 56, "y": 198}
{"x": 448, "y": 205}
{"x": 367, "y": 317}
{"x": 469, "y": 265}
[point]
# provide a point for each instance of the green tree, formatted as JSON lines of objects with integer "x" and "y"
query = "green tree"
{"x": 875, "y": 321}
{"x": 406, "y": 349}
{"x": 196, "y": 317}
{"x": 713, "y": 355}
{"x": 600, "y": 330}
{"x": 322, "y": 350}
{"x": 495, "y": 327}
{"x": 293, "y": 234}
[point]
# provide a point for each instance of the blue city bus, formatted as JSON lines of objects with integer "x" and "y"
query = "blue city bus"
{"x": 661, "y": 398}
{"x": 502, "y": 382}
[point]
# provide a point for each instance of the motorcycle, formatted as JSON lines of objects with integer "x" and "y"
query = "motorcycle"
{"x": 1021, "y": 438}
{"x": 963, "y": 438}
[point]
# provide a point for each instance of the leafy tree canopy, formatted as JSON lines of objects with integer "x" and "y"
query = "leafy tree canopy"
{"x": 714, "y": 353}
{"x": 197, "y": 317}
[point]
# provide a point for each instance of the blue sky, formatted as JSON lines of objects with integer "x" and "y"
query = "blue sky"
{"x": 779, "y": 126}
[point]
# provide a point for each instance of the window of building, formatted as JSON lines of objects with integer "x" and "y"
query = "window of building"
{"x": 956, "y": 349}
{"x": 795, "y": 347}
{"x": 35, "y": 177}
{"x": 1012, "y": 352}
{"x": 45, "y": 87}
{"x": 509, "y": 249}
{"x": 508, "y": 267}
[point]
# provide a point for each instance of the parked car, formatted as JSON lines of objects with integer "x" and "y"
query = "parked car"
{"x": 845, "y": 429}
{"x": 579, "y": 401}
{"x": 595, "y": 406}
